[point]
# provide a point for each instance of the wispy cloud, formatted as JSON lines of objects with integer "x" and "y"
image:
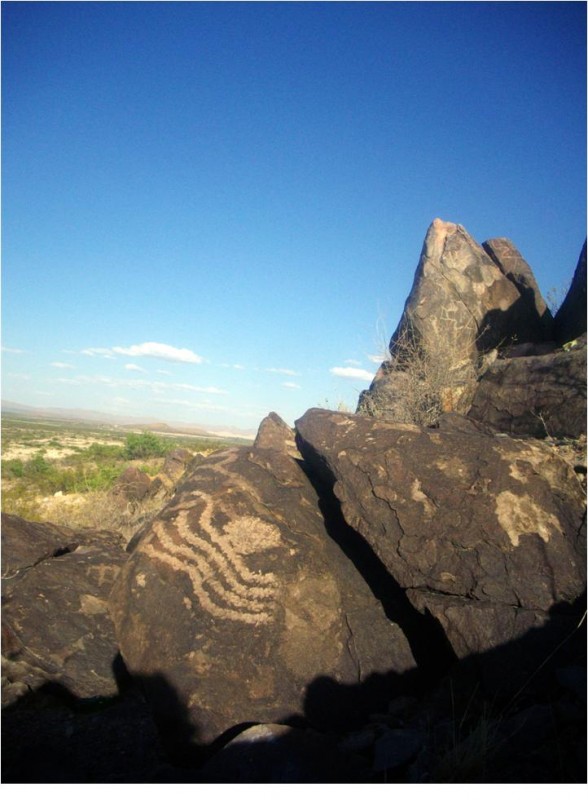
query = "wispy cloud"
{"x": 291, "y": 385}
{"x": 103, "y": 352}
{"x": 352, "y": 362}
{"x": 62, "y": 365}
{"x": 352, "y": 372}
{"x": 376, "y": 359}
{"x": 166, "y": 352}
{"x": 158, "y": 387}
{"x": 134, "y": 368}
{"x": 159, "y": 350}
{"x": 14, "y": 350}
{"x": 281, "y": 371}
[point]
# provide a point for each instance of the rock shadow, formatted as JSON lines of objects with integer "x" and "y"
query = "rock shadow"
{"x": 516, "y": 713}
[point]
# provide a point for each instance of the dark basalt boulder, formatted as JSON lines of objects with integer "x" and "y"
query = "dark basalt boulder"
{"x": 237, "y": 598}
{"x": 461, "y": 306}
{"x": 176, "y": 462}
{"x": 26, "y": 543}
{"x": 133, "y": 484}
{"x": 570, "y": 320}
{"x": 511, "y": 263}
{"x": 541, "y": 396}
{"x": 55, "y": 622}
{"x": 484, "y": 532}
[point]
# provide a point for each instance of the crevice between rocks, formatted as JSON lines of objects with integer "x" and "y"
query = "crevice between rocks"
{"x": 429, "y": 644}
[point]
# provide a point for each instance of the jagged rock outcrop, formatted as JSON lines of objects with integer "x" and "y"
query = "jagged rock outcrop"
{"x": 570, "y": 319}
{"x": 511, "y": 263}
{"x": 541, "y": 396}
{"x": 55, "y": 622}
{"x": 461, "y": 305}
{"x": 484, "y": 532}
{"x": 237, "y": 598}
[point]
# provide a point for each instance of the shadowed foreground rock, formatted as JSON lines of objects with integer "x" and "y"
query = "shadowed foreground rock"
{"x": 485, "y": 532}
{"x": 55, "y": 621}
{"x": 540, "y": 396}
{"x": 238, "y": 597}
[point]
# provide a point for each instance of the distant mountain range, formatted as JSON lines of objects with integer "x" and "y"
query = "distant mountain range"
{"x": 146, "y": 423}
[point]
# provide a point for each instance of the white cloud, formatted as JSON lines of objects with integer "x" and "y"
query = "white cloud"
{"x": 104, "y": 352}
{"x": 203, "y": 389}
{"x": 134, "y": 368}
{"x": 159, "y": 387}
{"x": 61, "y": 365}
{"x": 376, "y": 359}
{"x": 159, "y": 350}
{"x": 281, "y": 371}
{"x": 291, "y": 385}
{"x": 13, "y": 350}
{"x": 352, "y": 372}
{"x": 352, "y": 362}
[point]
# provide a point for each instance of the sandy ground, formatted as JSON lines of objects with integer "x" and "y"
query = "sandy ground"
{"x": 70, "y": 443}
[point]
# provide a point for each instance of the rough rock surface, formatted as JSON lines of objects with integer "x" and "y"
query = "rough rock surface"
{"x": 55, "y": 622}
{"x": 134, "y": 484}
{"x": 237, "y": 600}
{"x": 176, "y": 462}
{"x": 483, "y": 530}
{"x": 26, "y": 543}
{"x": 536, "y": 395}
{"x": 511, "y": 263}
{"x": 570, "y": 319}
{"x": 461, "y": 304}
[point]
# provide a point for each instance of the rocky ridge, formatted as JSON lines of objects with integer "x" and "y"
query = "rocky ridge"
{"x": 393, "y": 595}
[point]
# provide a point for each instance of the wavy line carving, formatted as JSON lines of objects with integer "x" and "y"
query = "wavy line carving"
{"x": 212, "y": 558}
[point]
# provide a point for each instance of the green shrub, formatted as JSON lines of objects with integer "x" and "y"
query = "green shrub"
{"x": 145, "y": 445}
{"x": 13, "y": 468}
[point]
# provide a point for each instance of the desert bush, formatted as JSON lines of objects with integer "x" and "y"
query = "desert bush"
{"x": 427, "y": 380}
{"x": 145, "y": 445}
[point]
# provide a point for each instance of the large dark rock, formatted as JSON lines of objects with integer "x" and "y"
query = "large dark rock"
{"x": 236, "y": 599}
{"x": 26, "y": 543}
{"x": 133, "y": 484}
{"x": 55, "y": 622}
{"x": 484, "y": 532}
{"x": 461, "y": 305}
{"x": 511, "y": 263}
{"x": 176, "y": 462}
{"x": 570, "y": 319}
{"x": 537, "y": 395}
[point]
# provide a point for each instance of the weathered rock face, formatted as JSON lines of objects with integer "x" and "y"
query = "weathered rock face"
{"x": 537, "y": 395}
{"x": 484, "y": 532}
{"x": 55, "y": 622}
{"x": 26, "y": 543}
{"x": 570, "y": 320}
{"x": 176, "y": 462}
{"x": 511, "y": 263}
{"x": 461, "y": 305}
{"x": 238, "y": 599}
{"x": 133, "y": 484}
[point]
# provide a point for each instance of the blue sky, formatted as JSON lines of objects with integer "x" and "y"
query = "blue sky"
{"x": 215, "y": 210}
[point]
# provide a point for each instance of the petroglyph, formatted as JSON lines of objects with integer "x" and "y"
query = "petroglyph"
{"x": 106, "y": 573}
{"x": 520, "y": 515}
{"x": 211, "y": 556}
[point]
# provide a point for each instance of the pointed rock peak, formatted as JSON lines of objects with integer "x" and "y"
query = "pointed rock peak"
{"x": 570, "y": 320}
{"x": 275, "y": 434}
{"x": 511, "y": 263}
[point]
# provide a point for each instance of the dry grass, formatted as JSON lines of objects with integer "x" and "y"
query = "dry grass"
{"x": 98, "y": 509}
{"x": 419, "y": 383}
